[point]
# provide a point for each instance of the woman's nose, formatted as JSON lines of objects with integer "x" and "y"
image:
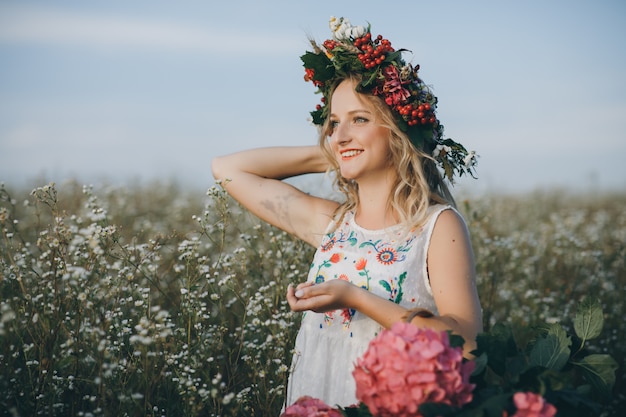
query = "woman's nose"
{"x": 341, "y": 133}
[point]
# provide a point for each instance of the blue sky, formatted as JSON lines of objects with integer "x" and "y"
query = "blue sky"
{"x": 121, "y": 91}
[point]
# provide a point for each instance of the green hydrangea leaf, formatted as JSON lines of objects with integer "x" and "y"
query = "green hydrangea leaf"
{"x": 481, "y": 363}
{"x": 589, "y": 320}
{"x": 599, "y": 370}
{"x": 499, "y": 346}
{"x": 552, "y": 350}
{"x": 437, "y": 410}
{"x": 455, "y": 340}
{"x": 574, "y": 403}
{"x": 360, "y": 410}
{"x": 491, "y": 406}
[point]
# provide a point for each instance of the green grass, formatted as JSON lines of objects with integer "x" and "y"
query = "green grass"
{"x": 151, "y": 301}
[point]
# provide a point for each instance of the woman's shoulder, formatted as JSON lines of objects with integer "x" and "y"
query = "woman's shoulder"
{"x": 447, "y": 221}
{"x": 444, "y": 211}
{"x": 441, "y": 219}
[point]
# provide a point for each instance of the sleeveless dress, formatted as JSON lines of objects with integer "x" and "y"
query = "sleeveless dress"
{"x": 390, "y": 263}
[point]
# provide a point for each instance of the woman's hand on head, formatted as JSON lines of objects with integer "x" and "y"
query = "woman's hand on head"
{"x": 327, "y": 296}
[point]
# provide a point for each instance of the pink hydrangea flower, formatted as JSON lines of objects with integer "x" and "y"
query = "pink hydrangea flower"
{"x": 407, "y": 366}
{"x": 310, "y": 407}
{"x": 530, "y": 404}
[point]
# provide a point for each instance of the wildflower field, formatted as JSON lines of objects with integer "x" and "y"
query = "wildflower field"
{"x": 154, "y": 301}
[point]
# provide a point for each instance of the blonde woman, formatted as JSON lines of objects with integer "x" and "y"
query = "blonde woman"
{"x": 396, "y": 243}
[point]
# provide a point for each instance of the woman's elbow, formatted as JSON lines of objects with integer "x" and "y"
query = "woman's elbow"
{"x": 217, "y": 168}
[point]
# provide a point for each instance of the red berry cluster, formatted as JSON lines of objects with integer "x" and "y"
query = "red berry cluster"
{"x": 319, "y": 106}
{"x": 373, "y": 52}
{"x": 330, "y": 44}
{"x": 417, "y": 114}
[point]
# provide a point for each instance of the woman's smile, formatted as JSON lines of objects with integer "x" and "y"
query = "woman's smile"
{"x": 350, "y": 153}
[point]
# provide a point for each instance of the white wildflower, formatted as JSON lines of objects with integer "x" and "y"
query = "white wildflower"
{"x": 216, "y": 379}
{"x": 228, "y": 398}
{"x": 7, "y": 313}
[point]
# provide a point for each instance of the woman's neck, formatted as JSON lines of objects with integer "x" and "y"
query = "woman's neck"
{"x": 374, "y": 211}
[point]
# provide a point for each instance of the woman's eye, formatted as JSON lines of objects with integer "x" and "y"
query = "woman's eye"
{"x": 360, "y": 120}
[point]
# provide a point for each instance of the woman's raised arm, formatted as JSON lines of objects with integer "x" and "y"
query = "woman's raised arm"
{"x": 254, "y": 178}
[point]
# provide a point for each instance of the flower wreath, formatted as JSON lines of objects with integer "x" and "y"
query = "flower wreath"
{"x": 385, "y": 74}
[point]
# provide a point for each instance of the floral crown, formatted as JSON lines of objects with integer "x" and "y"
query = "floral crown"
{"x": 385, "y": 74}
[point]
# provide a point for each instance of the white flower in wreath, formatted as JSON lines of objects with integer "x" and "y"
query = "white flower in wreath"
{"x": 469, "y": 159}
{"x": 334, "y": 23}
{"x": 342, "y": 29}
{"x": 357, "y": 31}
{"x": 439, "y": 148}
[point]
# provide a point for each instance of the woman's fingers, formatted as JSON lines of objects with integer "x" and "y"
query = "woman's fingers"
{"x": 330, "y": 295}
{"x": 299, "y": 288}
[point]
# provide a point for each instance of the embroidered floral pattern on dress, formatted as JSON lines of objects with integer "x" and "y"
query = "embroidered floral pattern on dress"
{"x": 339, "y": 262}
{"x": 394, "y": 287}
{"x": 337, "y": 237}
{"x": 334, "y": 258}
{"x": 386, "y": 254}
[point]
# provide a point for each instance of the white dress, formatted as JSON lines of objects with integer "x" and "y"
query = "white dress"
{"x": 390, "y": 263}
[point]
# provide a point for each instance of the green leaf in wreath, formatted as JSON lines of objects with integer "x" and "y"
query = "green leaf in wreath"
{"x": 318, "y": 116}
{"x": 599, "y": 370}
{"x": 369, "y": 82}
{"x": 589, "y": 320}
{"x": 321, "y": 65}
{"x": 552, "y": 350}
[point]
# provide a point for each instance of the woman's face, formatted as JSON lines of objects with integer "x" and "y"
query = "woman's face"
{"x": 357, "y": 139}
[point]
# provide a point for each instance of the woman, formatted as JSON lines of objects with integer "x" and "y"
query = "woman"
{"x": 396, "y": 244}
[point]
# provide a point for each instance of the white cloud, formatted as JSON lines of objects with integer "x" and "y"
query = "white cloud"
{"x": 62, "y": 28}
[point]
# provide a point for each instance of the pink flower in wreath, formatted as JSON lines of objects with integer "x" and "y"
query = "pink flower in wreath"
{"x": 393, "y": 89}
{"x": 529, "y": 404}
{"x": 407, "y": 366}
{"x": 310, "y": 407}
